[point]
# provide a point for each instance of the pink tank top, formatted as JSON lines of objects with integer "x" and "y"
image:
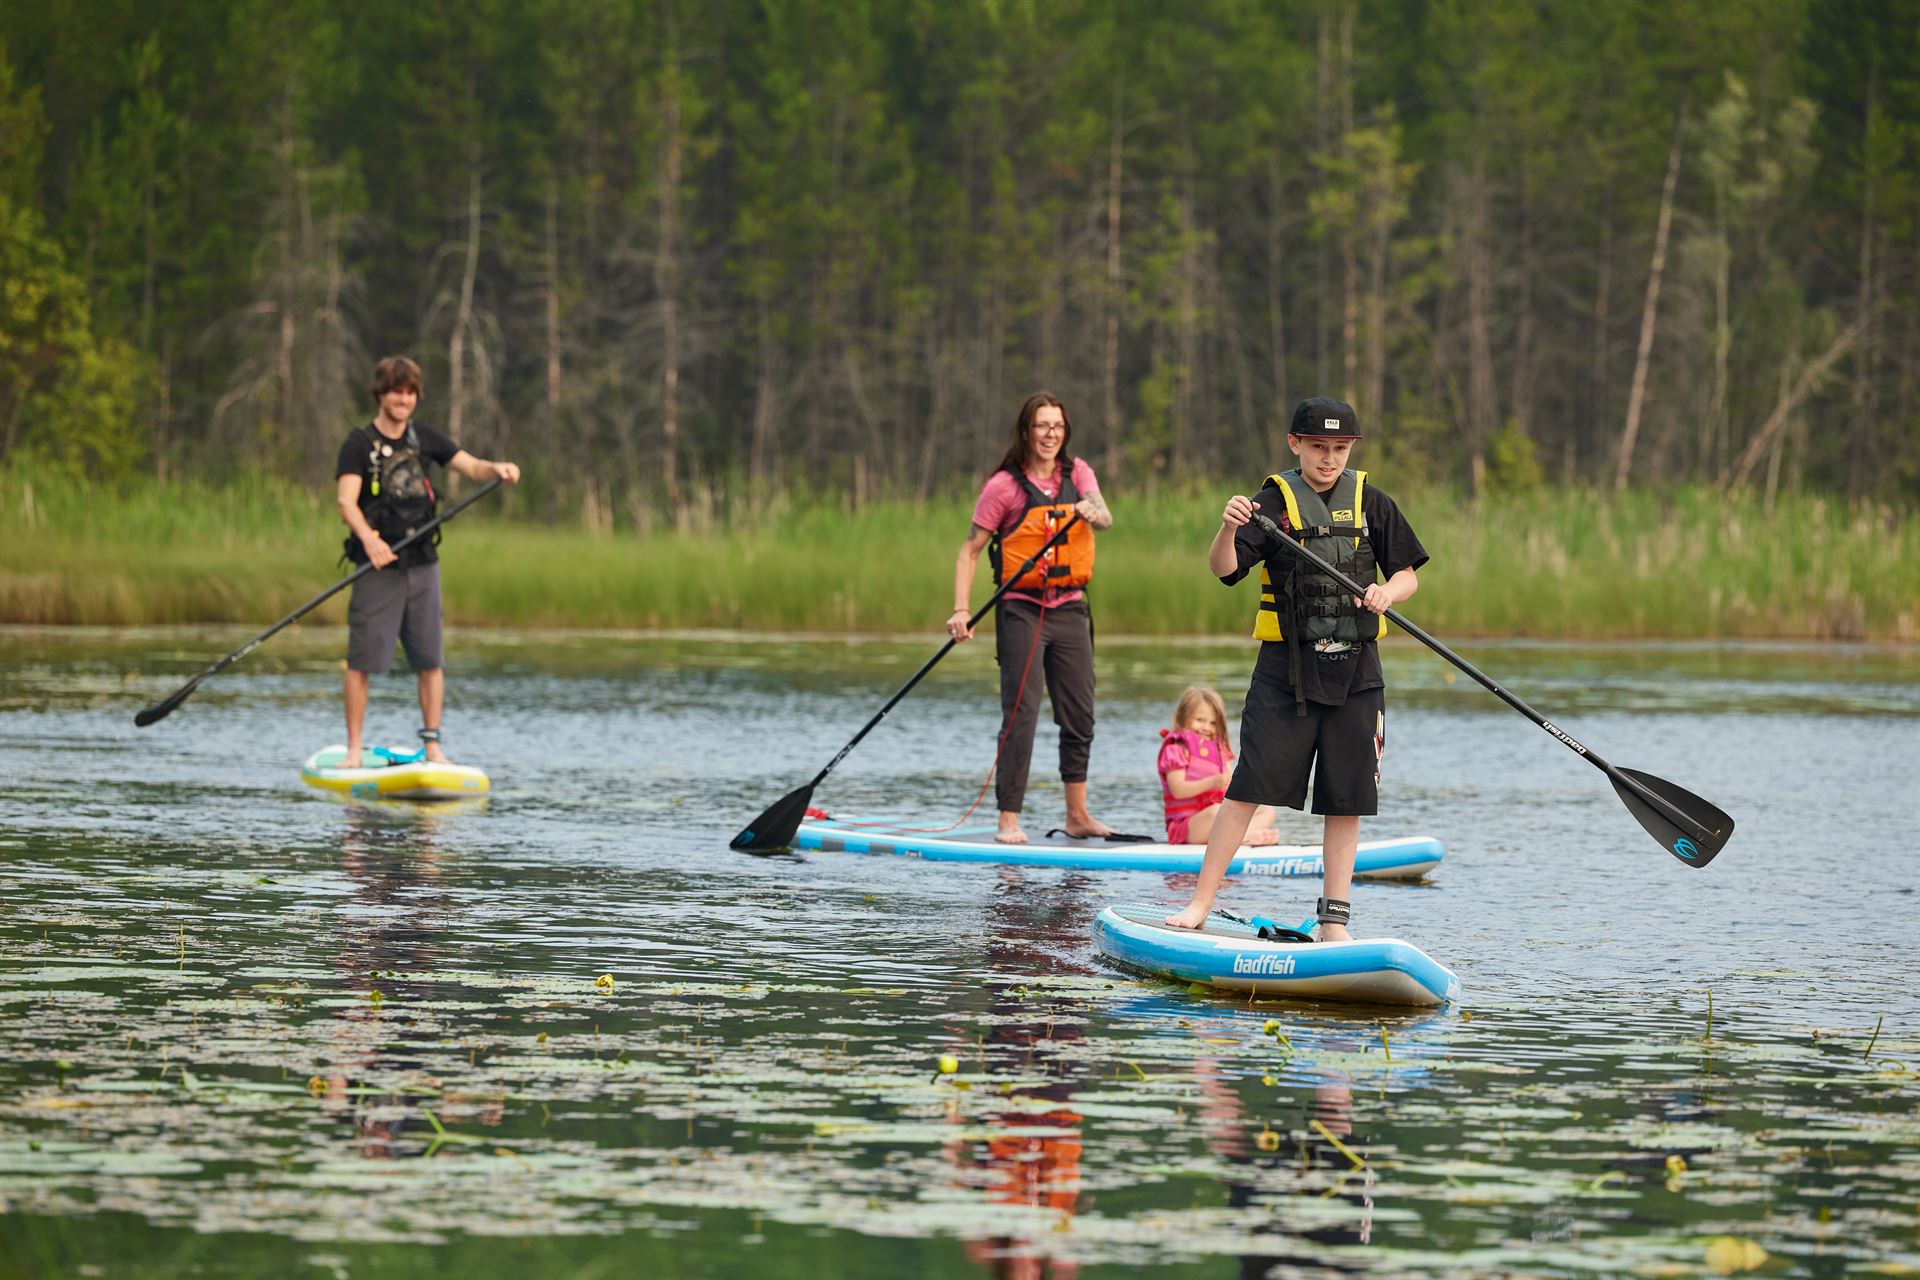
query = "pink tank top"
{"x": 1200, "y": 757}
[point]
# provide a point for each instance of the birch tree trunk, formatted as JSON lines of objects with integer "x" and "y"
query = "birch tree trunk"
{"x": 1737, "y": 474}
{"x": 463, "y": 315}
{"x": 1602, "y": 314}
{"x": 1861, "y": 396}
{"x": 1636, "y": 397}
{"x": 1110, "y": 369}
{"x": 1276, "y": 311}
{"x": 1482, "y": 409}
{"x": 667, "y": 280}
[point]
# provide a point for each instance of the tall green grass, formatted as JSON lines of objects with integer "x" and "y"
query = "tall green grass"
{"x": 1550, "y": 563}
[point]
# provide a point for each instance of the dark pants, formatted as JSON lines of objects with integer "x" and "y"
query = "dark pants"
{"x": 1065, "y": 660}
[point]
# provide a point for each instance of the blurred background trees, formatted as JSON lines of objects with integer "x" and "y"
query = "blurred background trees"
{"x": 668, "y": 254}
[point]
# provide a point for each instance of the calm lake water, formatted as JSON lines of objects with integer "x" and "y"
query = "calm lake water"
{"x": 250, "y": 1030}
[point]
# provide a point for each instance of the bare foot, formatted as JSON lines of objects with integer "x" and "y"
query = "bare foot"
{"x": 1010, "y": 833}
{"x": 1265, "y": 835}
{"x": 435, "y": 755}
{"x": 351, "y": 760}
{"x": 1192, "y": 917}
{"x": 1088, "y": 828}
{"x": 1335, "y": 933}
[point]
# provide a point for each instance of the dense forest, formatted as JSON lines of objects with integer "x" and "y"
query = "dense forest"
{"x": 665, "y": 253}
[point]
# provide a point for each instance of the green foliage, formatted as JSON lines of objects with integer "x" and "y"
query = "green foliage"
{"x": 67, "y": 397}
{"x": 640, "y": 245}
{"x": 1513, "y": 462}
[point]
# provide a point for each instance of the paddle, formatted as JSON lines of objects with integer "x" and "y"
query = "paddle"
{"x": 1690, "y": 828}
{"x": 774, "y": 830}
{"x": 164, "y": 708}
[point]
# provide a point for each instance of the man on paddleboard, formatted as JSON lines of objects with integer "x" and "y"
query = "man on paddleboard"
{"x": 384, "y": 494}
{"x": 1317, "y": 694}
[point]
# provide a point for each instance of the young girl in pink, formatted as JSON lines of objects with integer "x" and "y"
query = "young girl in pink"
{"x": 1196, "y": 763}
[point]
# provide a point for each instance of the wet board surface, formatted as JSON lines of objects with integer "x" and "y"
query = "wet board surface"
{"x": 1405, "y": 858}
{"x": 1229, "y": 954}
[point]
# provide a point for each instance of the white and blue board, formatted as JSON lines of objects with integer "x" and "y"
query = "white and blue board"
{"x": 1408, "y": 858}
{"x": 1230, "y": 954}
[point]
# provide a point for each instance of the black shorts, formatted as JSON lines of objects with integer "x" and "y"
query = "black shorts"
{"x": 1341, "y": 746}
{"x": 395, "y": 604}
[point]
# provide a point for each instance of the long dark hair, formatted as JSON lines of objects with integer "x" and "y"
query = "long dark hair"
{"x": 1020, "y": 449}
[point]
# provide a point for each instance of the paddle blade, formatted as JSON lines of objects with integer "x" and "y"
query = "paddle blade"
{"x": 162, "y": 709}
{"x": 774, "y": 830}
{"x": 1691, "y": 829}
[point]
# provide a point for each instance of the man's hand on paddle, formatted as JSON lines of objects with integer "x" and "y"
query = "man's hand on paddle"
{"x": 507, "y": 471}
{"x": 1376, "y": 600}
{"x": 378, "y": 552}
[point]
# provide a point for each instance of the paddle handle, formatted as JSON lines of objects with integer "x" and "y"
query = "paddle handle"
{"x": 180, "y": 694}
{"x": 945, "y": 649}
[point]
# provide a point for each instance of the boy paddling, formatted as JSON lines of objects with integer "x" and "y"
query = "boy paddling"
{"x": 384, "y": 494}
{"x": 1317, "y": 701}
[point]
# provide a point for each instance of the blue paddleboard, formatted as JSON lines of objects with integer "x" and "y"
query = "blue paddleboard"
{"x": 1408, "y": 858}
{"x": 1229, "y": 953}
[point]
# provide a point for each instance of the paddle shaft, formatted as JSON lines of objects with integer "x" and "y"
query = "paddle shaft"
{"x": 274, "y": 630}
{"x": 1619, "y": 779}
{"x": 946, "y": 648}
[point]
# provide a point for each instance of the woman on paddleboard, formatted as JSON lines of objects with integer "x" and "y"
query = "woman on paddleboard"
{"x": 1041, "y": 626}
{"x": 1317, "y": 693}
{"x": 384, "y": 494}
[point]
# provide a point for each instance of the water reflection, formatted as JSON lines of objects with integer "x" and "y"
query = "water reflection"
{"x": 380, "y": 1045}
{"x": 1030, "y": 1157}
{"x": 1309, "y": 1151}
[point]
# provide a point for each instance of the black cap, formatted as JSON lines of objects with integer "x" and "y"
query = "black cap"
{"x": 1324, "y": 418}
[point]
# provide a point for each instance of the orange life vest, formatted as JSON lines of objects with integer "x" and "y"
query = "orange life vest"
{"x": 1068, "y": 563}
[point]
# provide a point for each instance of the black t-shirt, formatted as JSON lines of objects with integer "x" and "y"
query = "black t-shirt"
{"x": 1327, "y": 679}
{"x": 356, "y": 459}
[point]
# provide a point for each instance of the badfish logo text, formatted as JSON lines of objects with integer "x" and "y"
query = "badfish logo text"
{"x": 1271, "y": 965}
{"x": 1686, "y": 848}
{"x": 1291, "y": 867}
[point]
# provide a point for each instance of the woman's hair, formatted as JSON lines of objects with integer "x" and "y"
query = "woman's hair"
{"x": 395, "y": 373}
{"x": 1195, "y": 698}
{"x": 1020, "y": 449}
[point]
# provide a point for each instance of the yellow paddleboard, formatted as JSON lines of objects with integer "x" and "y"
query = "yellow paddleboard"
{"x": 387, "y": 780}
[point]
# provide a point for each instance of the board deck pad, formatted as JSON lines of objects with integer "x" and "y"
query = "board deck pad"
{"x": 1229, "y": 954}
{"x": 1407, "y": 858}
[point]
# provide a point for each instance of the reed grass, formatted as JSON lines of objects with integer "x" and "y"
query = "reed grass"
{"x": 1551, "y": 563}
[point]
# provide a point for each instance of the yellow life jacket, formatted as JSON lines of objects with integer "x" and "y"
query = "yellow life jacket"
{"x": 1335, "y": 528}
{"x": 1068, "y": 563}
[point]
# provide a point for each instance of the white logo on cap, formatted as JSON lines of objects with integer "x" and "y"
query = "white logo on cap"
{"x": 1333, "y": 424}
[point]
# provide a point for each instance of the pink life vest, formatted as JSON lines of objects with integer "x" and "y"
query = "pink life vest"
{"x": 1200, "y": 756}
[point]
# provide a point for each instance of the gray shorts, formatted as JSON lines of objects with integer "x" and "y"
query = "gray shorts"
{"x": 395, "y": 604}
